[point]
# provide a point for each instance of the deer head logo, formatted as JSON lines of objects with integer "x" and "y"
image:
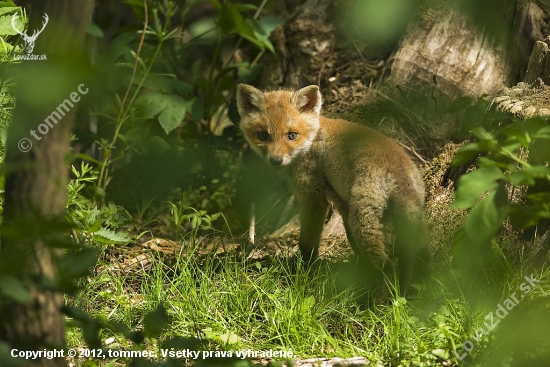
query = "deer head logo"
{"x": 29, "y": 40}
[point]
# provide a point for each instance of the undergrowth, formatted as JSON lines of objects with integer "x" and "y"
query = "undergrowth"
{"x": 234, "y": 304}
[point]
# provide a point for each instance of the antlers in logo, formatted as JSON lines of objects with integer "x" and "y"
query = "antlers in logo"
{"x": 29, "y": 40}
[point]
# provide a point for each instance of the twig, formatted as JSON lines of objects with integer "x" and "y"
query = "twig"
{"x": 252, "y": 230}
{"x": 323, "y": 69}
{"x": 413, "y": 152}
{"x": 141, "y": 41}
{"x": 359, "y": 51}
{"x": 118, "y": 123}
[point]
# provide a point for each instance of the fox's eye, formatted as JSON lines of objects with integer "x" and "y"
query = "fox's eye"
{"x": 262, "y": 135}
{"x": 292, "y": 136}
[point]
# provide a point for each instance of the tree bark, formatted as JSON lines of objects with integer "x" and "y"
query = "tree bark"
{"x": 35, "y": 190}
{"x": 447, "y": 54}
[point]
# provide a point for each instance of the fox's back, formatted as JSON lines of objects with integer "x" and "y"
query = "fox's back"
{"x": 354, "y": 157}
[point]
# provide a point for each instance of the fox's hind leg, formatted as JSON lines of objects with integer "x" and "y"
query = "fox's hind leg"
{"x": 366, "y": 232}
{"x": 411, "y": 243}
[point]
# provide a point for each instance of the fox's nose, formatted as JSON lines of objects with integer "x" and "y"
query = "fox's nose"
{"x": 276, "y": 161}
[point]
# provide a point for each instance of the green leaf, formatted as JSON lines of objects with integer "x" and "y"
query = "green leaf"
{"x": 94, "y": 227}
{"x": 527, "y": 175}
{"x": 95, "y": 31}
{"x": 246, "y": 7}
{"x": 485, "y": 219}
{"x": 539, "y": 151}
{"x": 268, "y": 24}
{"x": 249, "y": 74}
{"x": 540, "y": 197}
{"x": 117, "y": 48}
{"x": 105, "y": 235}
{"x": 151, "y": 104}
{"x": 155, "y": 145}
{"x": 13, "y": 288}
{"x": 183, "y": 88}
{"x": 3, "y": 135}
{"x": 8, "y": 9}
{"x": 91, "y": 327}
{"x": 466, "y": 154}
{"x": 307, "y": 304}
{"x": 230, "y": 19}
{"x": 538, "y": 171}
{"x": 482, "y": 134}
{"x": 216, "y": 4}
{"x": 246, "y": 32}
{"x": 472, "y": 185}
{"x": 263, "y": 28}
{"x": 510, "y": 145}
{"x": 542, "y": 133}
{"x": 92, "y": 215}
{"x": 77, "y": 264}
{"x": 441, "y": 353}
{"x": 519, "y": 178}
{"x": 137, "y": 135}
{"x": 170, "y": 109}
{"x": 173, "y": 113}
{"x": 157, "y": 82}
{"x": 6, "y": 29}
{"x": 523, "y": 216}
{"x": 528, "y": 130}
{"x": 195, "y": 221}
{"x": 155, "y": 322}
{"x": 137, "y": 3}
{"x": 230, "y": 338}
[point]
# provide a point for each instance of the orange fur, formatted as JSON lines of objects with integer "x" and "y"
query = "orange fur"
{"x": 367, "y": 176}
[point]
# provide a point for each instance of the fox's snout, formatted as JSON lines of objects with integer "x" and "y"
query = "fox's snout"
{"x": 276, "y": 161}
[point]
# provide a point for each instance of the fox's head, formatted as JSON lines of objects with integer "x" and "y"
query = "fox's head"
{"x": 279, "y": 125}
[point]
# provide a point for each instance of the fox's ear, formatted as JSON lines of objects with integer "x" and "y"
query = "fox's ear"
{"x": 249, "y": 99}
{"x": 308, "y": 99}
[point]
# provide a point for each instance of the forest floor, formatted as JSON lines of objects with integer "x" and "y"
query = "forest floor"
{"x": 222, "y": 294}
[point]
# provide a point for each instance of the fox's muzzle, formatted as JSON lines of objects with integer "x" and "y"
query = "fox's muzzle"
{"x": 276, "y": 161}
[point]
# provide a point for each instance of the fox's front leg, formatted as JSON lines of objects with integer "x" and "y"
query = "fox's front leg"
{"x": 313, "y": 212}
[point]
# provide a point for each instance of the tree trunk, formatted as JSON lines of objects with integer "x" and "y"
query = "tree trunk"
{"x": 448, "y": 53}
{"x": 35, "y": 190}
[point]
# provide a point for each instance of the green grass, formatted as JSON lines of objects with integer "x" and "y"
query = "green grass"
{"x": 238, "y": 305}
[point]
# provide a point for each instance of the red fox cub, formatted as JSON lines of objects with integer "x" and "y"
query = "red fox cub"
{"x": 367, "y": 176}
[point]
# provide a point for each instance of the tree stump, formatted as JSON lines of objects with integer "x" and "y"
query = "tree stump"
{"x": 531, "y": 97}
